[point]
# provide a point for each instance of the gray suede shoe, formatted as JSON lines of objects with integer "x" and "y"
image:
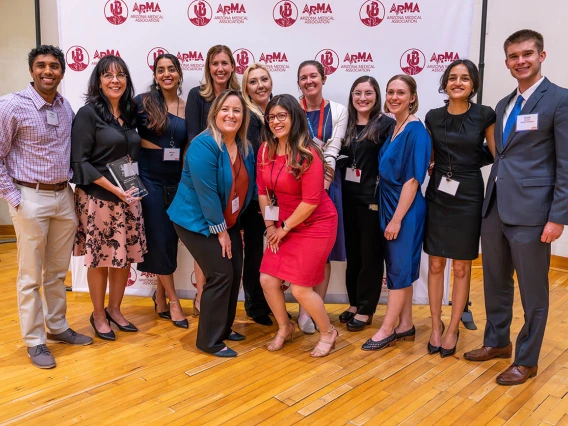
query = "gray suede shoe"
{"x": 41, "y": 357}
{"x": 70, "y": 337}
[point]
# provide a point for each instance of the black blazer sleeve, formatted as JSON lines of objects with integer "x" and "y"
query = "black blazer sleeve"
{"x": 83, "y": 135}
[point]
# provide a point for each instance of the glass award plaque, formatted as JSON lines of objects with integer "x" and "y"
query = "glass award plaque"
{"x": 125, "y": 174}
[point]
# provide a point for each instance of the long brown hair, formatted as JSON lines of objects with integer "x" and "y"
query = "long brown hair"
{"x": 206, "y": 90}
{"x": 372, "y": 129}
{"x": 299, "y": 141}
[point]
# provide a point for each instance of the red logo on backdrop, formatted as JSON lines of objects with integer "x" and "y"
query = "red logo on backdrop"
{"x": 358, "y": 62}
{"x": 243, "y": 58}
{"x": 285, "y": 13}
{"x": 329, "y": 59}
{"x": 147, "y": 12}
{"x": 275, "y": 61}
{"x": 153, "y": 54}
{"x": 372, "y": 13}
{"x": 146, "y": 7}
{"x": 407, "y": 13}
{"x": 132, "y": 277}
{"x": 99, "y": 54}
{"x": 77, "y": 58}
{"x": 231, "y": 8}
{"x": 319, "y": 13}
{"x": 116, "y": 12}
{"x": 199, "y": 13}
{"x": 191, "y": 60}
{"x": 412, "y": 61}
{"x": 438, "y": 61}
{"x": 232, "y": 13}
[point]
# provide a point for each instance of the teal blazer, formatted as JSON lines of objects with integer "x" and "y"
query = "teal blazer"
{"x": 206, "y": 180}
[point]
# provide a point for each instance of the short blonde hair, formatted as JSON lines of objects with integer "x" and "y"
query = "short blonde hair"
{"x": 216, "y": 107}
{"x": 246, "y": 95}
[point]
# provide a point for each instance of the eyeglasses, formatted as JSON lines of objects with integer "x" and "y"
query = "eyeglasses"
{"x": 368, "y": 94}
{"x": 110, "y": 76}
{"x": 281, "y": 116}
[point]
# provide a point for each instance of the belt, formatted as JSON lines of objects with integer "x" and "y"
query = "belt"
{"x": 44, "y": 186}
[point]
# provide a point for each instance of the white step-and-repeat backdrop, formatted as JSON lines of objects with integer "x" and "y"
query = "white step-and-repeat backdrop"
{"x": 350, "y": 37}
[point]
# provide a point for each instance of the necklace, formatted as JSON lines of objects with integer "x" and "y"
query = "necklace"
{"x": 397, "y": 132}
{"x": 172, "y": 131}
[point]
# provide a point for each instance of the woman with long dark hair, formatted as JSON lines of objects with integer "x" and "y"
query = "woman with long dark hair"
{"x": 215, "y": 188}
{"x": 111, "y": 229}
{"x": 367, "y": 130}
{"x": 453, "y": 218}
{"x": 161, "y": 125}
{"x": 219, "y": 75}
{"x": 300, "y": 219}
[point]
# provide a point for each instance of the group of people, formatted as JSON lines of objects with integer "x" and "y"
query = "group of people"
{"x": 300, "y": 183}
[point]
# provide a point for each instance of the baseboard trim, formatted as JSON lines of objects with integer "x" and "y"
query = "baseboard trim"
{"x": 7, "y": 231}
{"x": 559, "y": 262}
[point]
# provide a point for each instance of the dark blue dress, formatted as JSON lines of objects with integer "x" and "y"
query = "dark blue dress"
{"x": 400, "y": 160}
{"x": 338, "y": 252}
{"x": 156, "y": 173}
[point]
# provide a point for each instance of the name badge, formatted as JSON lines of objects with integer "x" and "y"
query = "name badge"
{"x": 527, "y": 122}
{"x": 271, "y": 212}
{"x": 353, "y": 175}
{"x": 171, "y": 154}
{"x": 52, "y": 118}
{"x": 134, "y": 166}
{"x": 235, "y": 205}
{"x": 449, "y": 186}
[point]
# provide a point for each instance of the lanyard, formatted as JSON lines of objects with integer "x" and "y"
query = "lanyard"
{"x": 273, "y": 198}
{"x": 238, "y": 173}
{"x": 172, "y": 132}
{"x": 320, "y": 124}
{"x": 449, "y": 174}
{"x": 354, "y": 146}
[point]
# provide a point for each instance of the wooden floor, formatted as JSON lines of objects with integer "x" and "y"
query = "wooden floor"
{"x": 157, "y": 376}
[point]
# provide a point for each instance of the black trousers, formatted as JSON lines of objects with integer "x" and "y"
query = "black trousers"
{"x": 221, "y": 291}
{"x": 508, "y": 248}
{"x": 365, "y": 257}
{"x": 252, "y": 223}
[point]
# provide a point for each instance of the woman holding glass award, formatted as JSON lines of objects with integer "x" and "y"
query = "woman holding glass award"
{"x": 111, "y": 229}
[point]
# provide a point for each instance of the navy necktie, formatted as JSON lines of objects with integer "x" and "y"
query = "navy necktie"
{"x": 512, "y": 119}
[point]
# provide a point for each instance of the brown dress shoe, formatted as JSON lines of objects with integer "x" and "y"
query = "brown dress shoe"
{"x": 516, "y": 375}
{"x": 487, "y": 352}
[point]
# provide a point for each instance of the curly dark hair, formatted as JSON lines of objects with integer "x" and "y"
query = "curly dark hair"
{"x": 47, "y": 49}
{"x": 96, "y": 97}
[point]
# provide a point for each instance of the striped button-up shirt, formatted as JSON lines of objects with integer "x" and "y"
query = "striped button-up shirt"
{"x": 31, "y": 150}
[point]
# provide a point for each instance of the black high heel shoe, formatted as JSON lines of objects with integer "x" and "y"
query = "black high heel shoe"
{"x": 181, "y": 323}
{"x": 357, "y": 325}
{"x": 128, "y": 327}
{"x": 105, "y": 336}
{"x": 449, "y": 352}
{"x": 165, "y": 314}
{"x": 435, "y": 349}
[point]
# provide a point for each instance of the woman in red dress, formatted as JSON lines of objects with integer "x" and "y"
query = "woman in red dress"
{"x": 300, "y": 219}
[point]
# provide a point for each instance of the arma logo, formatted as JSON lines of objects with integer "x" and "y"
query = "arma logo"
{"x": 441, "y": 59}
{"x": 329, "y": 59}
{"x": 404, "y": 13}
{"x": 147, "y": 278}
{"x": 199, "y": 13}
{"x": 358, "y": 62}
{"x": 285, "y": 13}
{"x": 77, "y": 58}
{"x": 116, "y": 12}
{"x": 412, "y": 61}
{"x": 232, "y": 13}
{"x": 318, "y": 13}
{"x": 132, "y": 277}
{"x": 191, "y": 60}
{"x": 372, "y": 13}
{"x": 147, "y": 12}
{"x": 275, "y": 61}
{"x": 153, "y": 54}
{"x": 243, "y": 58}
{"x": 99, "y": 54}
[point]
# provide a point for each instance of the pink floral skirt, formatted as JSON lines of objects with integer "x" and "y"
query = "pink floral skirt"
{"x": 110, "y": 234}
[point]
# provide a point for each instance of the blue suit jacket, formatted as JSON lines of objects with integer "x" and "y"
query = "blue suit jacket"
{"x": 205, "y": 186}
{"x": 531, "y": 170}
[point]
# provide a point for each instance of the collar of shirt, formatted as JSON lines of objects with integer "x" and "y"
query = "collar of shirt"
{"x": 526, "y": 95}
{"x": 37, "y": 99}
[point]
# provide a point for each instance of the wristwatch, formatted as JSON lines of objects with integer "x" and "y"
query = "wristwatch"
{"x": 284, "y": 227}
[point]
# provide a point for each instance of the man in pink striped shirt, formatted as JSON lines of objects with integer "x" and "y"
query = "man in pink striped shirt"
{"x": 35, "y": 146}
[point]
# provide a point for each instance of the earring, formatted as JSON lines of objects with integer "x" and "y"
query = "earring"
{"x": 179, "y": 87}
{"x": 157, "y": 85}
{"x": 409, "y": 106}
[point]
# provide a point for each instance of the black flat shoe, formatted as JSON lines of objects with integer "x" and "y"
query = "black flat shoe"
{"x": 371, "y": 345}
{"x": 409, "y": 335}
{"x": 346, "y": 316}
{"x": 262, "y": 320}
{"x": 236, "y": 337}
{"x": 226, "y": 353}
{"x": 435, "y": 349}
{"x": 105, "y": 336}
{"x": 165, "y": 314}
{"x": 357, "y": 325}
{"x": 128, "y": 327}
{"x": 449, "y": 352}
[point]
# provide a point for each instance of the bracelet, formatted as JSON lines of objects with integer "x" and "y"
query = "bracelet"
{"x": 284, "y": 227}
{"x": 269, "y": 226}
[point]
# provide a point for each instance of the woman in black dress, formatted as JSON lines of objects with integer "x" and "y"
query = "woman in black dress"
{"x": 161, "y": 125}
{"x": 455, "y": 194}
{"x": 367, "y": 130}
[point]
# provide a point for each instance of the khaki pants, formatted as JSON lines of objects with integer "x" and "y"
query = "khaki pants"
{"x": 45, "y": 224}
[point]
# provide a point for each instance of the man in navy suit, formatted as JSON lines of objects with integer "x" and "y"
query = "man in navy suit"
{"x": 525, "y": 207}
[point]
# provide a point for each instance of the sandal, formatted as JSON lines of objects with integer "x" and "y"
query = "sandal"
{"x": 278, "y": 341}
{"x": 323, "y": 348}
{"x": 196, "y": 306}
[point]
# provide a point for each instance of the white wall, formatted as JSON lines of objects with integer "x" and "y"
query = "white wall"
{"x": 504, "y": 17}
